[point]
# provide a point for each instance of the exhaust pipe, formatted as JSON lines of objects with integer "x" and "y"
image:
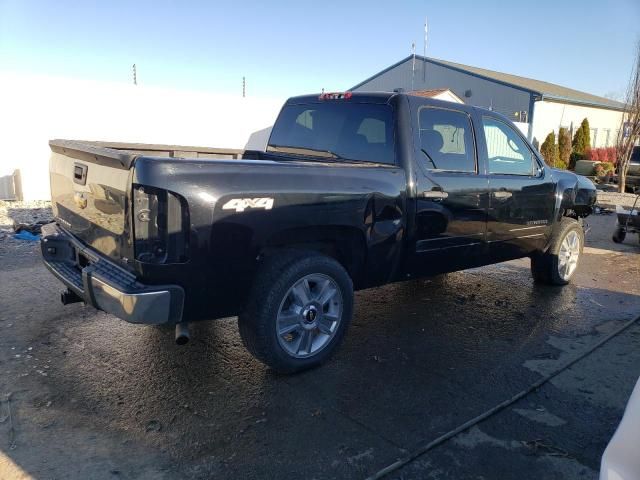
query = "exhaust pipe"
{"x": 69, "y": 296}
{"x": 182, "y": 333}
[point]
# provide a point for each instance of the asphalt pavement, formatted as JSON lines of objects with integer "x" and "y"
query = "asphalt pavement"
{"x": 85, "y": 395}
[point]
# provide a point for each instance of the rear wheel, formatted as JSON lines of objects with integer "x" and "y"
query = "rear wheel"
{"x": 558, "y": 264}
{"x": 298, "y": 311}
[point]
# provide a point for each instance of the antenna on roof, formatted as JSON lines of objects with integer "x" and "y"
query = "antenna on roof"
{"x": 135, "y": 75}
{"x": 424, "y": 60}
{"x": 244, "y": 87}
{"x": 413, "y": 63}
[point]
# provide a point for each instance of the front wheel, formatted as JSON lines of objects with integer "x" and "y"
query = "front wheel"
{"x": 298, "y": 311}
{"x": 558, "y": 264}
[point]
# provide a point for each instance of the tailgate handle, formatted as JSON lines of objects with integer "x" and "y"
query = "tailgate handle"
{"x": 80, "y": 173}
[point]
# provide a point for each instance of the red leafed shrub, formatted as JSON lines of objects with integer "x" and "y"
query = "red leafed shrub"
{"x": 591, "y": 154}
{"x": 607, "y": 154}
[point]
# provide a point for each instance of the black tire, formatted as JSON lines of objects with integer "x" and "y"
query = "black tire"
{"x": 258, "y": 322}
{"x": 545, "y": 265}
{"x": 618, "y": 235}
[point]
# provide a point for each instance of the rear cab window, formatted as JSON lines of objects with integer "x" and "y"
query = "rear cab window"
{"x": 346, "y": 131}
{"x": 446, "y": 140}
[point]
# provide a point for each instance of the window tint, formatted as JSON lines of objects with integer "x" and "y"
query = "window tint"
{"x": 446, "y": 140}
{"x": 508, "y": 153}
{"x": 354, "y": 131}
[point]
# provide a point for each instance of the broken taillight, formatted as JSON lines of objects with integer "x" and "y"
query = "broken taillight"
{"x": 160, "y": 225}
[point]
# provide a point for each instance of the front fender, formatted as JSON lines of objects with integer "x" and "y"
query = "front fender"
{"x": 573, "y": 193}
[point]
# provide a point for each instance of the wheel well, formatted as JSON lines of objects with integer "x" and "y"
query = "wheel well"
{"x": 577, "y": 211}
{"x": 344, "y": 244}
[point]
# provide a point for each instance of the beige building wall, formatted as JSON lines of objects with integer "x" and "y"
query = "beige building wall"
{"x": 37, "y": 109}
{"x": 548, "y": 116}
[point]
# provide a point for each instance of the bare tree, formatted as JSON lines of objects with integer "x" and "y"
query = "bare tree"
{"x": 630, "y": 125}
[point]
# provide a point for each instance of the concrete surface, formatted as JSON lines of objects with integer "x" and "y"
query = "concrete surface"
{"x": 85, "y": 395}
{"x": 611, "y": 199}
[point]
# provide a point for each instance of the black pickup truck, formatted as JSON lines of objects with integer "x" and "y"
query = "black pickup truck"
{"x": 353, "y": 191}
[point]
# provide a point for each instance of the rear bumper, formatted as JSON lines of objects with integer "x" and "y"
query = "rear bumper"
{"x": 106, "y": 286}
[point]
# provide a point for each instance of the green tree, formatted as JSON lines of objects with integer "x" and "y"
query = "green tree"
{"x": 582, "y": 139}
{"x": 578, "y": 143}
{"x": 586, "y": 133}
{"x": 564, "y": 148}
{"x": 549, "y": 149}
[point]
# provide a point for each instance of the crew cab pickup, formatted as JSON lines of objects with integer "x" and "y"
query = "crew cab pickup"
{"x": 354, "y": 190}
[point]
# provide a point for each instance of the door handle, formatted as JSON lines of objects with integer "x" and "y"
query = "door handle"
{"x": 435, "y": 195}
{"x": 502, "y": 194}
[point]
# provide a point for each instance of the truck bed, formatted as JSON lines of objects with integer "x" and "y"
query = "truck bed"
{"x": 125, "y": 153}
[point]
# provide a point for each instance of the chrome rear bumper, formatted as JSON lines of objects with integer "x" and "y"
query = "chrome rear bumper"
{"x": 105, "y": 285}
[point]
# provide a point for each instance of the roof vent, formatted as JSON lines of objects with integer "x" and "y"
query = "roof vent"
{"x": 468, "y": 93}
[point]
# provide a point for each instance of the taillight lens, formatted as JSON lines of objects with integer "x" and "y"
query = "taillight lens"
{"x": 160, "y": 219}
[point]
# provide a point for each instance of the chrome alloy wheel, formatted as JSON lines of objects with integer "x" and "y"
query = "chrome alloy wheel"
{"x": 309, "y": 315}
{"x": 568, "y": 255}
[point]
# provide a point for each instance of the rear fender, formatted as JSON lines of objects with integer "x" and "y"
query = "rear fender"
{"x": 346, "y": 244}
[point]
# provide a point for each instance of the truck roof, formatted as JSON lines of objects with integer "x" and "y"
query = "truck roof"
{"x": 380, "y": 98}
{"x": 360, "y": 97}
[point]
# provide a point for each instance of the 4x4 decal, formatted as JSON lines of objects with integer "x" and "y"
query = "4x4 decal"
{"x": 241, "y": 204}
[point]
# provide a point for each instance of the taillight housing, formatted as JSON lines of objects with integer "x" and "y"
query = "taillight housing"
{"x": 160, "y": 225}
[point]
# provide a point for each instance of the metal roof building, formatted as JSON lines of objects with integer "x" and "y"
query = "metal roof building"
{"x": 536, "y": 106}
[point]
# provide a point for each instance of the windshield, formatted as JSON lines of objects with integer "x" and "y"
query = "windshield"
{"x": 342, "y": 131}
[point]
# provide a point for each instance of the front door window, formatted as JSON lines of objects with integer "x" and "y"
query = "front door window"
{"x": 507, "y": 152}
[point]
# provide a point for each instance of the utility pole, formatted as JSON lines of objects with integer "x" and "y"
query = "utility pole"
{"x": 135, "y": 76}
{"x": 244, "y": 87}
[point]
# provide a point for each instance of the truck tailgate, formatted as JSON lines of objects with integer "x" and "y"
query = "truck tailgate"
{"x": 90, "y": 189}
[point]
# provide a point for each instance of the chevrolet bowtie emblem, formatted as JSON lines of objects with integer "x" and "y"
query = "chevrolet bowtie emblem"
{"x": 80, "y": 200}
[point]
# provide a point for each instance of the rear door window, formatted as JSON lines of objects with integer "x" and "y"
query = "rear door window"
{"x": 446, "y": 140}
{"x": 352, "y": 131}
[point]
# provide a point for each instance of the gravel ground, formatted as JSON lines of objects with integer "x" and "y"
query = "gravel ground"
{"x": 616, "y": 198}
{"x": 23, "y": 212}
{"x": 12, "y": 213}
